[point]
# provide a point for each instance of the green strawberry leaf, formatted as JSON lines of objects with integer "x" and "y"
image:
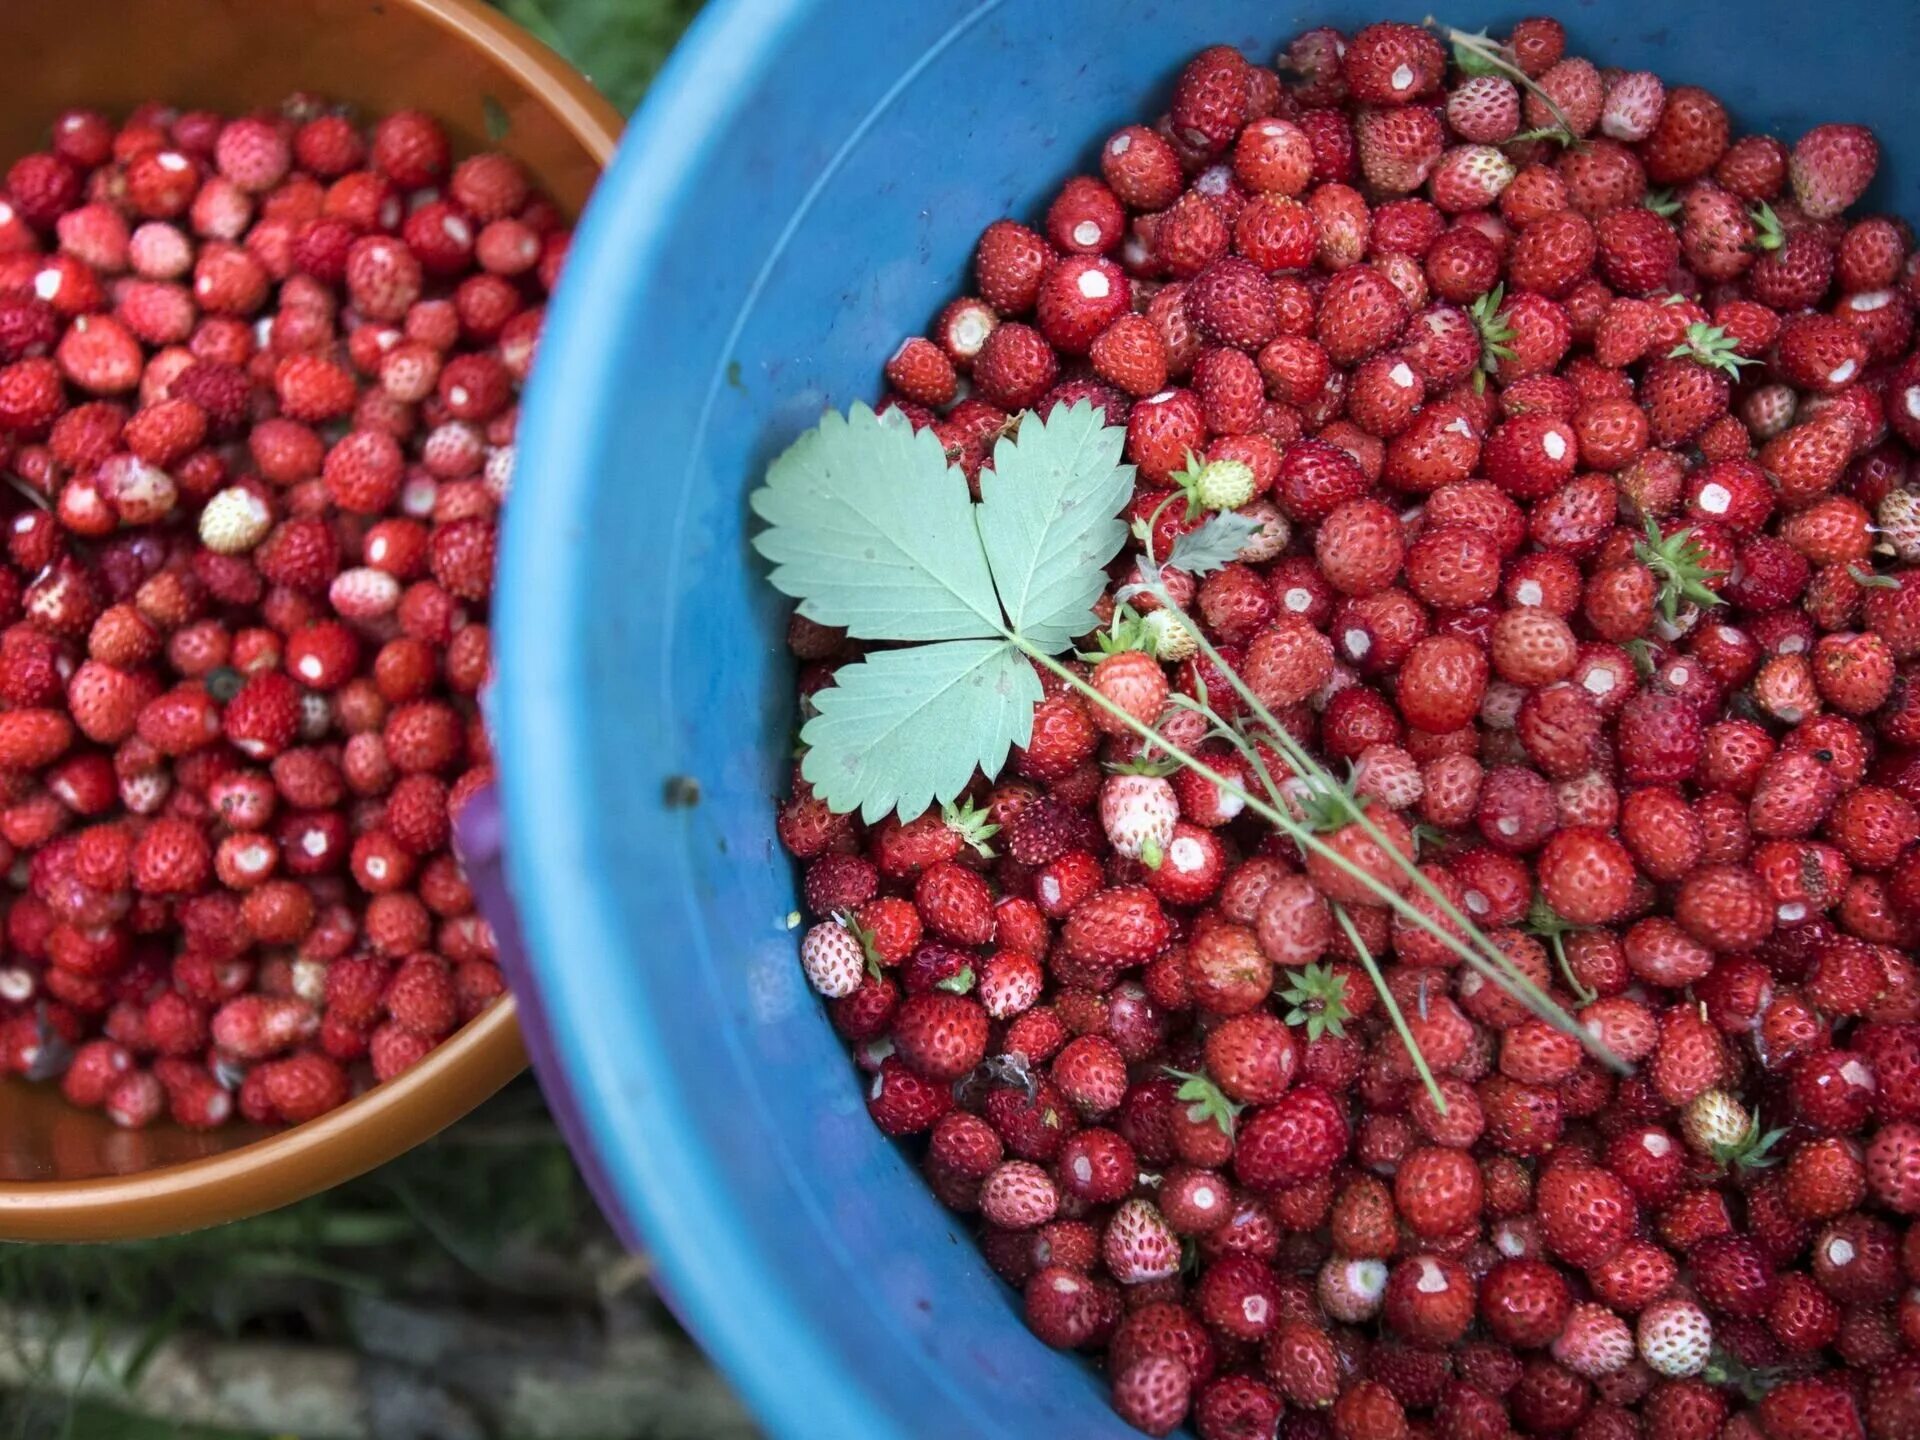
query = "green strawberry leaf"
{"x": 906, "y": 729}
{"x": 1047, "y": 518}
{"x": 869, "y": 528}
{"x": 1215, "y": 544}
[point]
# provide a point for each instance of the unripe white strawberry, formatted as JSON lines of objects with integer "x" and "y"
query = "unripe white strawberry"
{"x": 1595, "y": 1342}
{"x": 833, "y": 959}
{"x": 1351, "y": 1290}
{"x": 1899, "y": 519}
{"x": 1138, "y": 813}
{"x": 1170, "y": 641}
{"x": 1223, "y": 484}
{"x": 1714, "y": 1122}
{"x": 1675, "y": 1337}
{"x": 1139, "y": 1245}
{"x": 234, "y": 521}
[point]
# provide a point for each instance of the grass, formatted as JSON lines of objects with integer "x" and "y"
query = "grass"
{"x": 619, "y": 44}
{"x": 486, "y": 1217}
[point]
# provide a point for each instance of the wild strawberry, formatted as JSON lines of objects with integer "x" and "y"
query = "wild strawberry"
{"x": 1814, "y": 1408}
{"x": 1392, "y": 64}
{"x": 1831, "y": 167}
{"x": 1360, "y": 313}
{"x": 1674, "y": 1337}
{"x": 1152, "y": 1394}
{"x": 1585, "y": 1213}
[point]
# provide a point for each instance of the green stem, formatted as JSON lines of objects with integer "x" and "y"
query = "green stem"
{"x": 1580, "y": 992}
{"x": 1393, "y": 1005}
{"x": 1494, "y": 963}
{"x": 1281, "y": 821}
{"x": 1466, "y": 40}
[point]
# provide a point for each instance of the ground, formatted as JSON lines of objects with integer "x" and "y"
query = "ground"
{"x": 467, "y": 1291}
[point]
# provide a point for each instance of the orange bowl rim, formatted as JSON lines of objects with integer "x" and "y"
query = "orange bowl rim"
{"x": 449, "y": 1081}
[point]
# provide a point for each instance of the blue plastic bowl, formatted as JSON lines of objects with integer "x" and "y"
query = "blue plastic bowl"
{"x": 804, "y": 188}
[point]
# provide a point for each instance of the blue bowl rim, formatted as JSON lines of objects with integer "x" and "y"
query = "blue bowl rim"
{"x": 661, "y": 1174}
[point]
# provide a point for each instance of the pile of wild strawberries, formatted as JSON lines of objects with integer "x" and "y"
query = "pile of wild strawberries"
{"x": 258, "y": 380}
{"x": 1581, "y": 433}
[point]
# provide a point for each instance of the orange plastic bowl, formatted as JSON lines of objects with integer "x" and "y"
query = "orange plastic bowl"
{"x": 71, "y": 1175}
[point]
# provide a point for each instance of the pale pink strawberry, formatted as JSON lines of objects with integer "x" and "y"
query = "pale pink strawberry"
{"x": 1470, "y": 177}
{"x": 1018, "y": 1195}
{"x": 1139, "y": 1245}
{"x": 1138, "y": 813}
{"x": 1633, "y": 106}
{"x": 1831, "y": 167}
{"x": 833, "y": 959}
{"x": 1595, "y": 1342}
{"x": 1484, "y": 109}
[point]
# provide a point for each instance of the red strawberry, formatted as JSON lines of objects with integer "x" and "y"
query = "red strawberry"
{"x": 1360, "y": 313}
{"x": 1831, "y": 167}
{"x": 1298, "y": 1138}
{"x": 1116, "y": 928}
{"x": 1392, "y": 64}
{"x": 1816, "y": 1408}
{"x": 1585, "y": 1213}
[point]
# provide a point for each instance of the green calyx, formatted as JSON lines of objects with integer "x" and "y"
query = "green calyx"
{"x": 1214, "y": 484}
{"x": 1159, "y": 766}
{"x": 1496, "y": 334}
{"x": 1327, "y": 805}
{"x": 1732, "y": 1373}
{"x": 1679, "y": 564}
{"x": 1753, "y": 1150}
{"x": 1712, "y": 347}
{"x": 1477, "y": 53}
{"x": 1768, "y": 232}
{"x": 1662, "y": 203}
{"x": 972, "y": 823}
{"x": 865, "y": 936}
{"x": 1128, "y": 630}
{"x": 1317, "y": 998}
{"x": 1559, "y": 134}
{"x": 1872, "y": 581}
{"x": 1205, "y": 1100}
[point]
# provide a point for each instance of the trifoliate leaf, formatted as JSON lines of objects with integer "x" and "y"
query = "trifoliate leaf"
{"x": 1216, "y": 543}
{"x": 1048, "y": 520}
{"x": 871, "y": 529}
{"x": 906, "y": 729}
